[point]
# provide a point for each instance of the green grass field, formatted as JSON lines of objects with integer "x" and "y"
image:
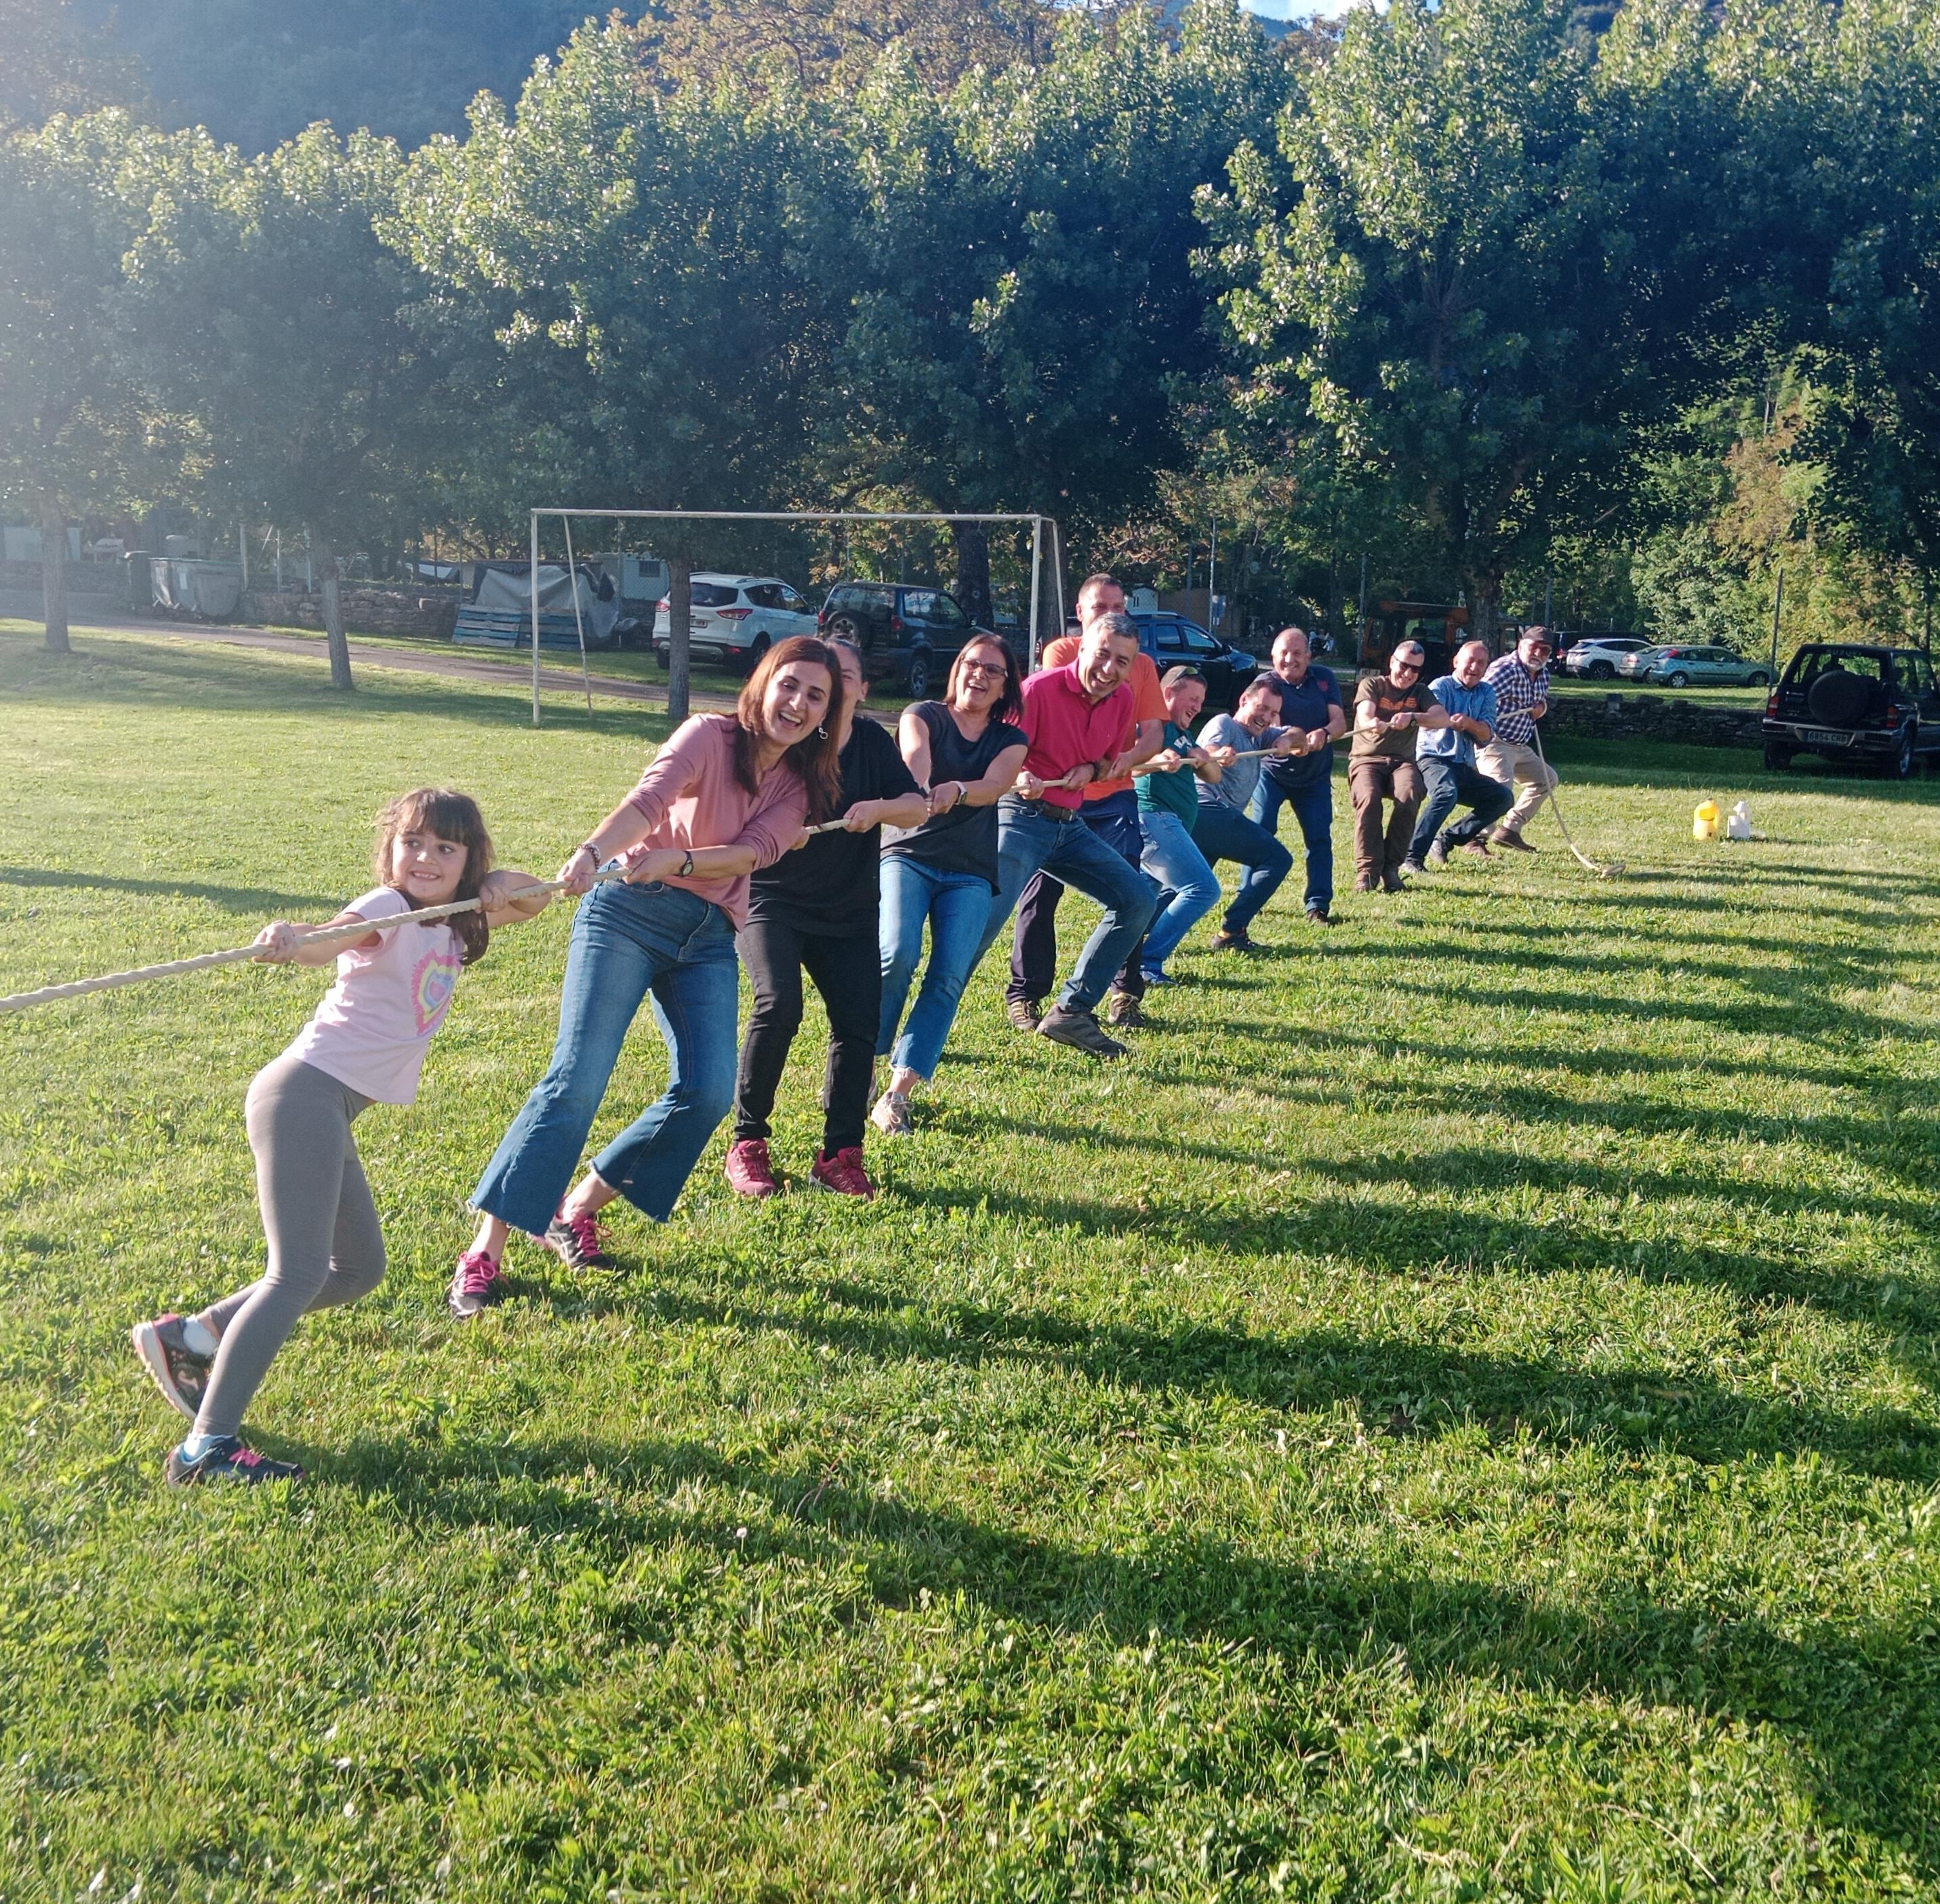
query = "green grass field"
{"x": 1455, "y": 1414}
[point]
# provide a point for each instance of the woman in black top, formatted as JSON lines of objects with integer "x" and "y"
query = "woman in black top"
{"x": 815, "y": 911}
{"x": 966, "y": 750}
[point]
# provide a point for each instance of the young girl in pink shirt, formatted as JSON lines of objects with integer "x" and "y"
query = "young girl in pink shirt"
{"x": 365, "y": 1044}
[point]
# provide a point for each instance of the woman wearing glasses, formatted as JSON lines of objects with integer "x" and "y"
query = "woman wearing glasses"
{"x": 967, "y": 751}
{"x": 1389, "y": 709}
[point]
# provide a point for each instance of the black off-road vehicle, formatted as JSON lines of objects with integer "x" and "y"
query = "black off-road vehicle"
{"x": 1851, "y": 701}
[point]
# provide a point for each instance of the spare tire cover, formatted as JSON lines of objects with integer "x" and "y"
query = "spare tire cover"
{"x": 1837, "y": 698}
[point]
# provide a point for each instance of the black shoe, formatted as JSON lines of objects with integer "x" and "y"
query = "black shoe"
{"x": 226, "y": 1459}
{"x": 175, "y": 1368}
{"x": 1409, "y": 866}
{"x": 1023, "y": 1013}
{"x": 1393, "y": 882}
{"x": 1080, "y": 1030}
{"x": 1239, "y": 941}
{"x": 1317, "y": 916}
{"x": 1438, "y": 854}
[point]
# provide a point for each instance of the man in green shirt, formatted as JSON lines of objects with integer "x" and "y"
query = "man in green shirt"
{"x": 1168, "y": 809}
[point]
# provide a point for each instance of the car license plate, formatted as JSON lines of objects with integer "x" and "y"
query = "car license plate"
{"x": 1825, "y": 737}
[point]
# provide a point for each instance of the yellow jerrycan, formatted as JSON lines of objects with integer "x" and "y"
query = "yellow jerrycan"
{"x": 1704, "y": 818}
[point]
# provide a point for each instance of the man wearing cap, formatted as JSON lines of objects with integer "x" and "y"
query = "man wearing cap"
{"x": 1446, "y": 758}
{"x": 1310, "y": 701}
{"x": 1521, "y": 683}
{"x": 1389, "y": 709}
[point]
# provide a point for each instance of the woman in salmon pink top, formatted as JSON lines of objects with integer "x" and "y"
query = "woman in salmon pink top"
{"x": 728, "y": 795}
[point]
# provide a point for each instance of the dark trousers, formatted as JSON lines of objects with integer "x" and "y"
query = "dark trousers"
{"x": 1451, "y": 783}
{"x": 1034, "y": 938}
{"x": 848, "y": 973}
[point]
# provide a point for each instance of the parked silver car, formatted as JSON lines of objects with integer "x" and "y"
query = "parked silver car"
{"x": 735, "y": 619}
{"x": 1594, "y": 657}
{"x": 1687, "y": 664}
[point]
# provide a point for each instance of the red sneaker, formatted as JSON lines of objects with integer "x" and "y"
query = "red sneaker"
{"x": 844, "y": 1174}
{"x": 748, "y": 1172}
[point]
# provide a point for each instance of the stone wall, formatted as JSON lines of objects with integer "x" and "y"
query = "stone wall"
{"x": 83, "y": 578}
{"x": 366, "y": 611}
{"x": 1653, "y": 717}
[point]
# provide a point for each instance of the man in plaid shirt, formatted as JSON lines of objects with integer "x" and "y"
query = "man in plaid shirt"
{"x": 1521, "y": 683}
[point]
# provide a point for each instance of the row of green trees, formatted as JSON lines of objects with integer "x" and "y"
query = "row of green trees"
{"x": 1467, "y": 293}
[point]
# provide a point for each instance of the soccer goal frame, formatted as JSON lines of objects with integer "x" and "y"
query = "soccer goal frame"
{"x": 1038, "y": 524}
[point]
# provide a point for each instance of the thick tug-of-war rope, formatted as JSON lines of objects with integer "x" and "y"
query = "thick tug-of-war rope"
{"x": 241, "y": 954}
{"x": 1583, "y": 859}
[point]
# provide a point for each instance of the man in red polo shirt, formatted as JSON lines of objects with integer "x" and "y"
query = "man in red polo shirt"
{"x": 1111, "y": 810}
{"x": 1079, "y": 717}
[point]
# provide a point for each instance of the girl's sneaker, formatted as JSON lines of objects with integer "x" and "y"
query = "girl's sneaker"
{"x": 749, "y": 1170}
{"x": 843, "y": 1173}
{"x": 172, "y": 1366}
{"x": 578, "y": 1242}
{"x": 226, "y": 1459}
{"x": 475, "y": 1284}
{"x": 1156, "y": 976}
{"x": 892, "y": 1115}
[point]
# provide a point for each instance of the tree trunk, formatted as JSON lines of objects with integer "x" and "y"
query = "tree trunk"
{"x": 334, "y": 637}
{"x": 1485, "y": 611}
{"x": 973, "y": 571}
{"x": 53, "y": 571}
{"x": 680, "y": 628}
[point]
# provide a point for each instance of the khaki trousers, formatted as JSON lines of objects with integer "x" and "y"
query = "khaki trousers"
{"x": 1532, "y": 777}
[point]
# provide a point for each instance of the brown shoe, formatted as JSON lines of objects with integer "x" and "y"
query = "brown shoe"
{"x": 1366, "y": 883}
{"x": 1504, "y": 836}
{"x": 1476, "y": 848}
{"x": 1080, "y": 1030}
{"x": 1123, "y": 1011}
{"x": 1024, "y": 1013}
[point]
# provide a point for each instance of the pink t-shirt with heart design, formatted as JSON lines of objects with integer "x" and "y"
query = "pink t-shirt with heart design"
{"x": 372, "y": 1028}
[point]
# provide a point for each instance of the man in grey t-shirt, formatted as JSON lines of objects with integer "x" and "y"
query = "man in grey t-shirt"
{"x": 1222, "y": 830}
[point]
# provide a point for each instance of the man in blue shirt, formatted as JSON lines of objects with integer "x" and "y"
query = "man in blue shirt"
{"x": 1311, "y": 703}
{"x": 1446, "y": 758}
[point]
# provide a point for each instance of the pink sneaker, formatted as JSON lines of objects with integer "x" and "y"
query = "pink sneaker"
{"x": 477, "y": 1283}
{"x": 844, "y": 1174}
{"x": 748, "y": 1171}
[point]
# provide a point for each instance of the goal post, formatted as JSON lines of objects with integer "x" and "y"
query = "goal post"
{"x": 1037, "y": 523}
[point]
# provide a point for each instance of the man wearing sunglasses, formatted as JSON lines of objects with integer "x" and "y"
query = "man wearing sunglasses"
{"x": 1389, "y": 710}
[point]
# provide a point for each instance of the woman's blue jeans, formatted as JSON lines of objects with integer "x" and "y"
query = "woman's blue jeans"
{"x": 1188, "y": 890}
{"x": 956, "y": 906}
{"x": 629, "y": 943}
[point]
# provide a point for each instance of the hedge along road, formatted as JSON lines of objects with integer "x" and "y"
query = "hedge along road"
{"x": 373, "y": 654}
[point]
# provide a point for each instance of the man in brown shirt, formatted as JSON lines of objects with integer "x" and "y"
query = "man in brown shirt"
{"x": 1388, "y": 709}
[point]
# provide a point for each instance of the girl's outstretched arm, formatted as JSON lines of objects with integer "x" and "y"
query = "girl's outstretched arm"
{"x": 283, "y": 944}
{"x": 500, "y": 911}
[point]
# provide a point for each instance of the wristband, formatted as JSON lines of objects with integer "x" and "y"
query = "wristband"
{"x": 586, "y": 846}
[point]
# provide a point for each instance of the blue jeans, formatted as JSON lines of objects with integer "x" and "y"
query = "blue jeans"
{"x": 1313, "y": 808}
{"x": 956, "y": 906}
{"x": 1453, "y": 783}
{"x": 628, "y": 942}
{"x": 1187, "y": 890}
{"x": 1029, "y": 840}
{"x": 1223, "y": 832}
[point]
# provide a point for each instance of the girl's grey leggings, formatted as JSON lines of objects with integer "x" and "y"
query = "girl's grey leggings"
{"x": 324, "y": 1244}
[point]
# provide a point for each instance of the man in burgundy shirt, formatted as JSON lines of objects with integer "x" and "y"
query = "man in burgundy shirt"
{"x": 1079, "y": 717}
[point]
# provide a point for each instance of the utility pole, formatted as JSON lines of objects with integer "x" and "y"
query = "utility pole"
{"x": 1777, "y": 609}
{"x": 1211, "y": 574}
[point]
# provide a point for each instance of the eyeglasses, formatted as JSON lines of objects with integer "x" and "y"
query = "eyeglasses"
{"x": 984, "y": 667}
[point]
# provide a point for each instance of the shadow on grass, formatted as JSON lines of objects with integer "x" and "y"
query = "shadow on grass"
{"x": 231, "y": 898}
{"x": 1857, "y": 1700}
{"x": 1394, "y": 1385}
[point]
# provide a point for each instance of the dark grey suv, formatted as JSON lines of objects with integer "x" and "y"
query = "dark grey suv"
{"x": 909, "y": 632}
